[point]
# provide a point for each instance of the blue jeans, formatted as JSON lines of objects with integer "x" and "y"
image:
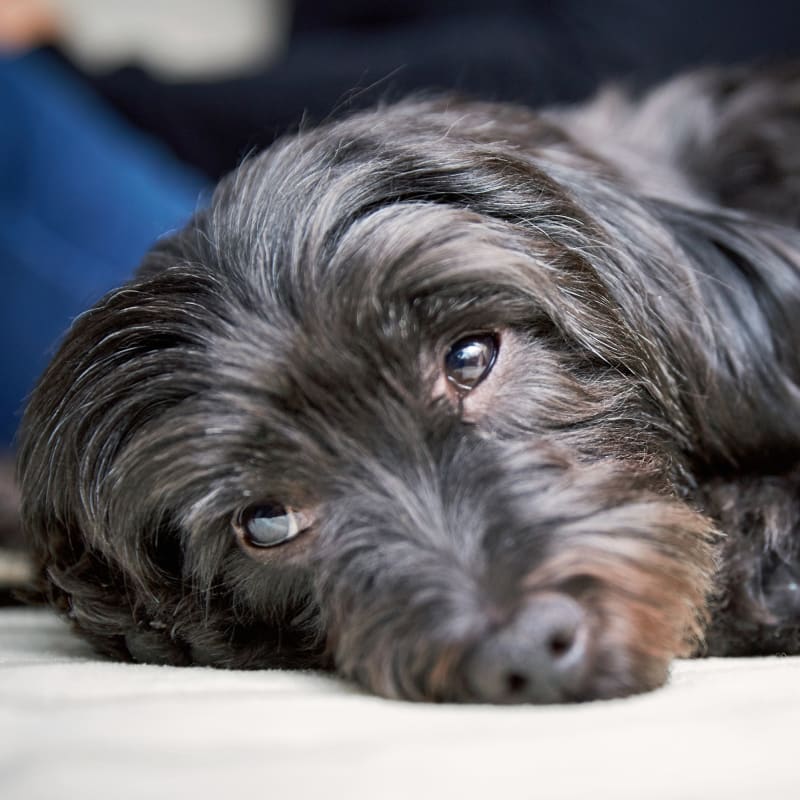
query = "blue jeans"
{"x": 82, "y": 197}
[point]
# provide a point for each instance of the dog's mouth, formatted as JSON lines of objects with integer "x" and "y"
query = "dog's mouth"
{"x": 552, "y": 650}
{"x": 600, "y": 613}
{"x": 492, "y": 572}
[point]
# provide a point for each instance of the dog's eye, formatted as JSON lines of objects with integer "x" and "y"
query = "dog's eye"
{"x": 268, "y": 525}
{"x": 470, "y": 360}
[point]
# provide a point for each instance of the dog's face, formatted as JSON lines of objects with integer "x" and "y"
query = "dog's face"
{"x": 397, "y": 403}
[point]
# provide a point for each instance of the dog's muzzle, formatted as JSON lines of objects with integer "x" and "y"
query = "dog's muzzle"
{"x": 541, "y": 655}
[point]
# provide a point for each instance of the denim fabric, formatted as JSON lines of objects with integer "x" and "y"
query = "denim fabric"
{"x": 82, "y": 197}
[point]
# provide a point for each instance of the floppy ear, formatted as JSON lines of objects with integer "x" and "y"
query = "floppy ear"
{"x": 81, "y": 414}
{"x": 105, "y": 384}
{"x": 729, "y": 134}
{"x": 746, "y": 396}
{"x": 747, "y": 157}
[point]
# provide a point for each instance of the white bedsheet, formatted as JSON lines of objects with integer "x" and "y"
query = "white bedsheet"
{"x": 75, "y": 726}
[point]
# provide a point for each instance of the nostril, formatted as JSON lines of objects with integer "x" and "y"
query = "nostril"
{"x": 516, "y": 683}
{"x": 561, "y": 643}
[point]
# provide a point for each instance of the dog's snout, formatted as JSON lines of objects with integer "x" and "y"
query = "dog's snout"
{"x": 540, "y": 656}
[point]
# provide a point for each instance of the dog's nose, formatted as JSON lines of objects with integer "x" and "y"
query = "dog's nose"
{"x": 539, "y": 657}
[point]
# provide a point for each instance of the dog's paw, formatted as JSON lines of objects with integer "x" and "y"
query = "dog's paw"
{"x": 780, "y": 589}
{"x": 758, "y": 611}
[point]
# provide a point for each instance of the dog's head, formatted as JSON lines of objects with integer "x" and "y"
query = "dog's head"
{"x": 401, "y": 401}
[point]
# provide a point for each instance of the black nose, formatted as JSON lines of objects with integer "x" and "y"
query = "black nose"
{"x": 540, "y": 656}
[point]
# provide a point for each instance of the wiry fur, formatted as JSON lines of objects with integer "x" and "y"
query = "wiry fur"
{"x": 635, "y": 447}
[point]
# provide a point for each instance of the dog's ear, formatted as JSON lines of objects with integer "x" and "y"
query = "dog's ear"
{"x": 747, "y": 271}
{"x": 728, "y": 135}
{"x": 121, "y": 365}
{"x": 745, "y": 153}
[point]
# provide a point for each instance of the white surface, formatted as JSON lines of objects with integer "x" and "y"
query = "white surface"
{"x": 74, "y": 726}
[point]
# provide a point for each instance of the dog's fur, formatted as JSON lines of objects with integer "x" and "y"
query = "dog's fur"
{"x": 635, "y": 447}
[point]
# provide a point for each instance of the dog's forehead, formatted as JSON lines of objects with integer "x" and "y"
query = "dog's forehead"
{"x": 322, "y": 273}
{"x": 358, "y": 253}
{"x": 356, "y": 201}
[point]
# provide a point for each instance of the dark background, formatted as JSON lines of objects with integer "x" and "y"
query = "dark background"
{"x": 348, "y": 54}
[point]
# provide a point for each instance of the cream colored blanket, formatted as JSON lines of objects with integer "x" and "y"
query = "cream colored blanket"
{"x": 75, "y": 726}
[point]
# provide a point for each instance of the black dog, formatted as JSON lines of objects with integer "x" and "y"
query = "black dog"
{"x": 464, "y": 402}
